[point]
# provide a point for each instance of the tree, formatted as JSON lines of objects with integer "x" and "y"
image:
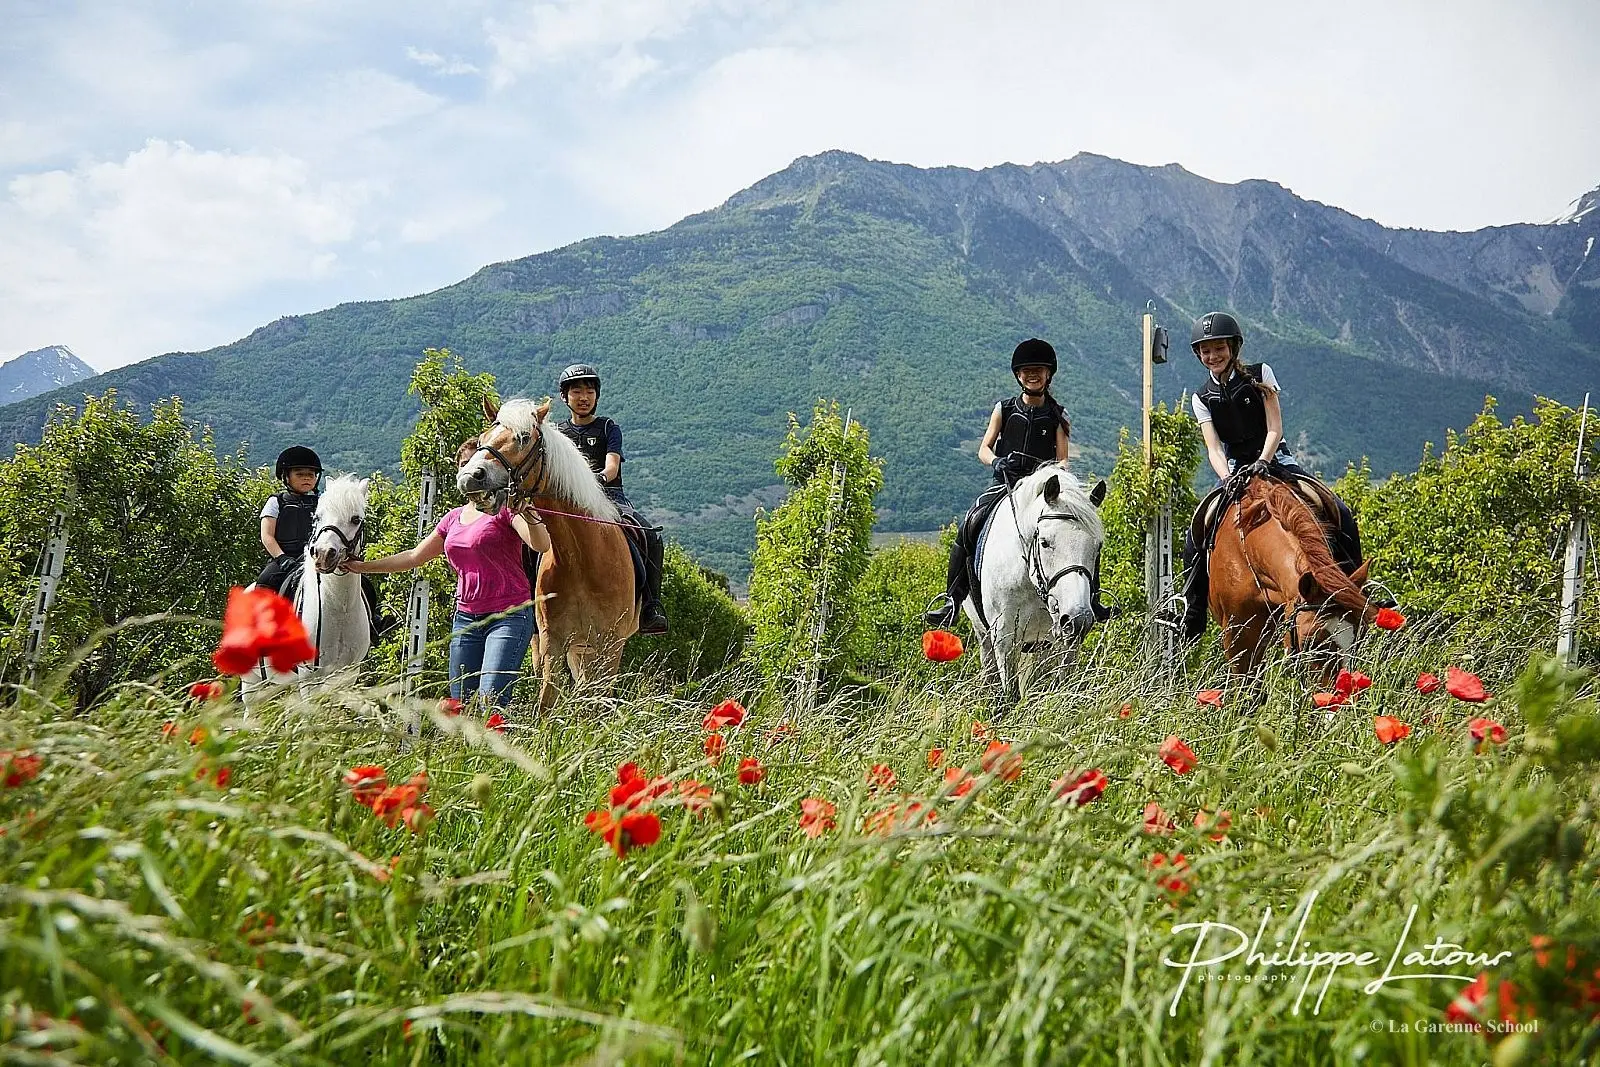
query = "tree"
{"x": 812, "y": 549}
{"x": 157, "y": 523}
{"x": 1135, "y": 494}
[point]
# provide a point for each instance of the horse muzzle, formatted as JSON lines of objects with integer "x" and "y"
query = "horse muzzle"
{"x": 1072, "y": 625}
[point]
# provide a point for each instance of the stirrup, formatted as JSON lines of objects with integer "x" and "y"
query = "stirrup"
{"x": 1171, "y": 616}
{"x": 1385, "y": 599}
{"x": 940, "y": 617}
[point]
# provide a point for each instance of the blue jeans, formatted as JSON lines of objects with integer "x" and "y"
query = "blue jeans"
{"x": 486, "y": 657}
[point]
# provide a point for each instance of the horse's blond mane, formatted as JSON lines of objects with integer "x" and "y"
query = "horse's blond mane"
{"x": 1296, "y": 517}
{"x": 567, "y": 476}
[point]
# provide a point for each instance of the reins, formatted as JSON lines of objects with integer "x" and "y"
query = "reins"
{"x": 1282, "y": 616}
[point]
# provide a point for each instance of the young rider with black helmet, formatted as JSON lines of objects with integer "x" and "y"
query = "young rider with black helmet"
{"x": 600, "y": 440}
{"x": 1242, "y": 423}
{"x": 286, "y": 525}
{"x": 1024, "y": 431}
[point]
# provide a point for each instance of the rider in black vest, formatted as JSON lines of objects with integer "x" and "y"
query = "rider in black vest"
{"x": 1242, "y": 424}
{"x": 600, "y": 441}
{"x": 287, "y": 527}
{"x": 1024, "y": 431}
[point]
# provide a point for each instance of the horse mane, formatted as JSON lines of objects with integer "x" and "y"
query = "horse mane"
{"x": 1073, "y": 500}
{"x": 343, "y": 496}
{"x": 567, "y": 473}
{"x": 1296, "y": 517}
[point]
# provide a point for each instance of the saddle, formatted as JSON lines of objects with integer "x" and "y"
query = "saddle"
{"x": 1318, "y": 497}
{"x": 973, "y": 534}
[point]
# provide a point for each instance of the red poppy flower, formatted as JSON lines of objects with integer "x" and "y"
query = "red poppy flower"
{"x": 1081, "y": 788}
{"x": 405, "y": 1029}
{"x": 224, "y": 775}
{"x": 908, "y": 814}
{"x": 630, "y": 793}
{"x": 393, "y": 801}
{"x": 635, "y": 829}
{"x": 1177, "y": 755}
{"x": 1328, "y": 700}
{"x": 881, "y": 778}
{"x": 258, "y": 927}
{"x": 259, "y": 624}
{"x": 1125, "y": 711}
{"x": 695, "y": 795}
{"x": 206, "y": 690}
{"x": 962, "y": 781}
{"x": 713, "y": 746}
{"x": 1351, "y": 682}
{"x": 1427, "y": 683}
{"x": 197, "y": 736}
{"x": 1541, "y": 949}
{"x": 935, "y": 757}
{"x": 169, "y": 730}
{"x": 495, "y": 722}
{"x": 941, "y": 646}
{"x": 366, "y": 783}
{"x": 626, "y": 772}
{"x": 1156, "y": 820}
{"x": 781, "y": 732}
{"x": 999, "y": 761}
{"x": 1487, "y": 729}
{"x": 816, "y": 816}
{"x": 1389, "y": 619}
{"x": 1170, "y": 870}
{"x": 1213, "y": 697}
{"x": 1464, "y": 685}
{"x": 727, "y": 713}
{"x": 1215, "y": 826}
{"x": 980, "y": 730}
{"x": 750, "y": 771}
{"x": 19, "y": 767}
{"x": 1467, "y": 1007}
{"x": 417, "y": 817}
{"x": 1389, "y": 729}
{"x": 450, "y": 705}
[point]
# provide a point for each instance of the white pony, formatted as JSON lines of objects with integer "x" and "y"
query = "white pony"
{"x": 1039, "y": 555}
{"x": 328, "y": 598}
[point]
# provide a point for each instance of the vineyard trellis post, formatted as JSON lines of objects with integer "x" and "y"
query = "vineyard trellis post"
{"x": 50, "y": 564}
{"x": 1577, "y": 548}
{"x": 417, "y": 602}
{"x": 1158, "y": 573}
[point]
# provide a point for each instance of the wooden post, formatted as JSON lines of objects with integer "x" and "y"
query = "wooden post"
{"x": 1149, "y": 384}
{"x": 55, "y": 554}
{"x": 419, "y": 599}
{"x": 1577, "y": 547}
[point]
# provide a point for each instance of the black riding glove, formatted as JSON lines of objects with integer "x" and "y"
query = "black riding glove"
{"x": 1259, "y": 469}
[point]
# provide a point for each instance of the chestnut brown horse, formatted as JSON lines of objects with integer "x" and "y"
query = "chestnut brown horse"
{"x": 1273, "y": 579}
{"x": 584, "y": 596}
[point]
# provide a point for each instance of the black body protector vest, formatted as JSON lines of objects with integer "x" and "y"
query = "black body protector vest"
{"x": 1238, "y": 413}
{"x": 591, "y": 441}
{"x": 1031, "y": 431}
{"x": 295, "y": 514}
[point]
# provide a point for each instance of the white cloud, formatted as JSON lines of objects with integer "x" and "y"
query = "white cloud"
{"x": 105, "y": 254}
{"x": 439, "y": 64}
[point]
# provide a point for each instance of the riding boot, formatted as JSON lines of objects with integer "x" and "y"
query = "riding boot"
{"x": 652, "y": 620}
{"x": 943, "y": 617}
{"x": 1347, "y": 541}
{"x": 1196, "y": 589}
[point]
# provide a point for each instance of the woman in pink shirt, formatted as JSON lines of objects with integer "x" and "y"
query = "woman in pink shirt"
{"x": 494, "y": 606}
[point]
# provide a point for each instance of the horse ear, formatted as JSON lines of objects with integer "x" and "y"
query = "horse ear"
{"x": 1098, "y": 493}
{"x": 1309, "y": 589}
{"x": 491, "y": 410}
{"x": 1052, "y": 490}
{"x": 541, "y": 411}
{"x": 1359, "y": 575}
{"x": 364, "y": 483}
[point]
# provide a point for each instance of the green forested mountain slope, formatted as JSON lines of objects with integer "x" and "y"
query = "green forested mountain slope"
{"x": 901, "y": 292}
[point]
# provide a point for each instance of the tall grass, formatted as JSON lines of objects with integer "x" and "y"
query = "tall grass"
{"x": 147, "y": 915}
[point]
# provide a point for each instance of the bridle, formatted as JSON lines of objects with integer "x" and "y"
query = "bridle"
{"x": 518, "y": 473}
{"x": 1043, "y": 583}
{"x": 353, "y": 546}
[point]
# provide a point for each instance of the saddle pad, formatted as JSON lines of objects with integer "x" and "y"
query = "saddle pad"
{"x": 975, "y": 589}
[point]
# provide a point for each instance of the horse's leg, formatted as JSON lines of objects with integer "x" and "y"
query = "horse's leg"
{"x": 550, "y": 657}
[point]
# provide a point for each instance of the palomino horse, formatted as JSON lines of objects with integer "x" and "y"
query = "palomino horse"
{"x": 584, "y": 597}
{"x": 1273, "y": 578}
{"x": 1040, "y": 554}
{"x": 327, "y": 597}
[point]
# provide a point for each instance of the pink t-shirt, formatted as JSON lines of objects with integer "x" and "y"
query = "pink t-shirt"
{"x": 487, "y": 557}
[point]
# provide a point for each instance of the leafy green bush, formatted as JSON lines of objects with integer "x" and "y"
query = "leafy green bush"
{"x": 888, "y": 601}
{"x": 708, "y": 629}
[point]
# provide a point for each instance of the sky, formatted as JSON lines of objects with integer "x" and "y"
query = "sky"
{"x": 175, "y": 173}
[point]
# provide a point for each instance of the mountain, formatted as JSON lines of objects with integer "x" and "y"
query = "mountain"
{"x": 901, "y": 291}
{"x": 40, "y": 371}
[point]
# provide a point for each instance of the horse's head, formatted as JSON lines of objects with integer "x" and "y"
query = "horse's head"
{"x": 339, "y": 532}
{"x": 507, "y": 461}
{"x": 1324, "y": 609}
{"x": 1063, "y": 534}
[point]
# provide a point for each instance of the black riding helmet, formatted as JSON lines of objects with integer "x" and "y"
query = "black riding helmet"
{"x": 1034, "y": 353}
{"x": 580, "y": 372}
{"x": 1213, "y": 325}
{"x": 295, "y": 456}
